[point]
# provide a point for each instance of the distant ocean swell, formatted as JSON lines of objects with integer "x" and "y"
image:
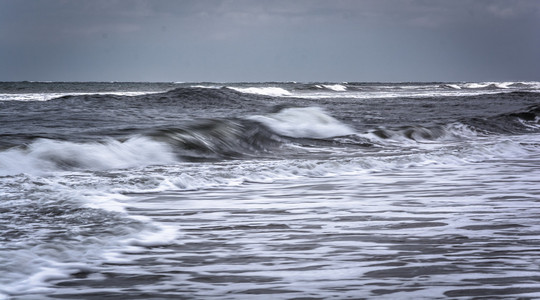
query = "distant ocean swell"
{"x": 42, "y": 91}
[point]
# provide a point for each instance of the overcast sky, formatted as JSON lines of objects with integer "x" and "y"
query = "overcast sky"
{"x": 267, "y": 40}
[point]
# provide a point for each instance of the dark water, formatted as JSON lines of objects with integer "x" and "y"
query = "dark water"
{"x": 269, "y": 190}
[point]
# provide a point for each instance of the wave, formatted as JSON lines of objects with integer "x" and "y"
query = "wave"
{"x": 204, "y": 97}
{"x": 450, "y": 86}
{"x": 45, "y": 155}
{"x": 304, "y": 122}
{"x": 332, "y": 87}
{"x": 194, "y": 175}
{"x": 178, "y": 99}
{"x": 219, "y": 139}
{"x": 202, "y": 139}
{"x": 499, "y": 85}
{"x": 212, "y": 92}
{"x": 291, "y": 89}
{"x": 414, "y": 133}
{"x": 267, "y": 91}
{"x": 518, "y": 122}
{"x": 51, "y": 96}
{"x": 526, "y": 121}
{"x": 269, "y": 135}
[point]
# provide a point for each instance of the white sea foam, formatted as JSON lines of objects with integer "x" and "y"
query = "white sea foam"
{"x": 475, "y": 85}
{"x": 419, "y": 91}
{"x": 308, "y": 122}
{"x": 469, "y": 88}
{"x": 372, "y": 171}
{"x": 35, "y": 283}
{"x": 200, "y": 86}
{"x": 481, "y": 85}
{"x": 267, "y": 91}
{"x": 50, "y": 96}
{"x": 335, "y": 87}
{"x": 49, "y": 155}
{"x": 29, "y": 265}
{"x": 416, "y": 91}
{"x": 503, "y": 85}
{"x": 452, "y": 86}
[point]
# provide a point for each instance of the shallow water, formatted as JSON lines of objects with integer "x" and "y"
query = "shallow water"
{"x": 428, "y": 231}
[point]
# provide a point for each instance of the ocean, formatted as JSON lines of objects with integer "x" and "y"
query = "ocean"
{"x": 277, "y": 190}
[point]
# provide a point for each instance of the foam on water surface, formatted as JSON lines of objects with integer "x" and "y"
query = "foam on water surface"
{"x": 268, "y": 91}
{"x": 50, "y": 96}
{"x": 309, "y": 122}
{"x": 50, "y": 155}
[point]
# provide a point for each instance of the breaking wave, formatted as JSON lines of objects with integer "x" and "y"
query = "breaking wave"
{"x": 51, "y": 155}
{"x": 263, "y": 135}
{"x": 267, "y": 91}
{"x": 304, "y": 122}
{"x": 203, "y": 139}
{"x": 333, "y": 87}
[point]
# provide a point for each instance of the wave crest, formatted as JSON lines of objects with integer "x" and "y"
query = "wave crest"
{"x": 218, "y": 139}
{"x": 304, "y": 122}
{"x": 514, "y": 122}
{"x": 52, "y": 155}
{"x": 266, "y": 91}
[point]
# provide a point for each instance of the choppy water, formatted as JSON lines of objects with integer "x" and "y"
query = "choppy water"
{"x": 269, "y": 190}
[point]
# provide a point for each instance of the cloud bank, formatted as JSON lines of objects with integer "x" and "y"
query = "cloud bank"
{"x": 136, "y": 40}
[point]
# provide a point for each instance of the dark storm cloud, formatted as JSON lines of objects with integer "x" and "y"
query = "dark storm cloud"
{"x": 269, "y": 40}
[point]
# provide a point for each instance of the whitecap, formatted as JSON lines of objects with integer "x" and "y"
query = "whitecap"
{"x": 306, "y": 122}
{"x": 335, "y": 87}
{"x": 451, "y": 86}
{"x": 267, "y": 91}
{"x": 46, "y": 155}
{"x": 474, "y": 85}
{"x": 51, "y": 96}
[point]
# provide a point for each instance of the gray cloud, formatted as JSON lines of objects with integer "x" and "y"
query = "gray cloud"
{"x": 240, "y": 40}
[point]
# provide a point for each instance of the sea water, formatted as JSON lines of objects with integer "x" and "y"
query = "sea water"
{"x": 269, "y": 190}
